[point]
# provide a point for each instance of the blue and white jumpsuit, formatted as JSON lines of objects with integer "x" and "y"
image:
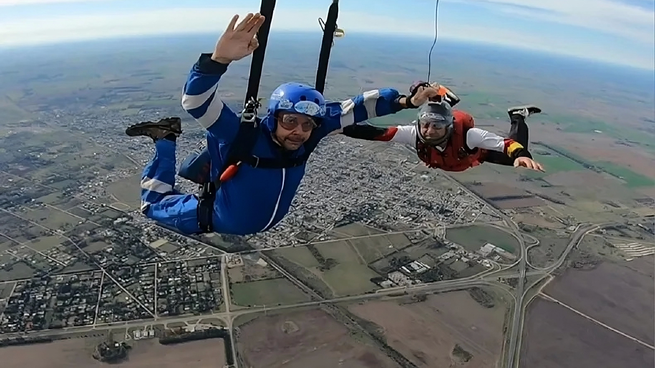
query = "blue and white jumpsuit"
{"x": 255, "y": 199}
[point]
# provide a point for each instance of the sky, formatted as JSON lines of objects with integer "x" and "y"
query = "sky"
{"x": 615, "y": 31}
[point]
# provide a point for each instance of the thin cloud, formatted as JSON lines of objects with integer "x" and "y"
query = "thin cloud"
{"x": 213, "y": 20}
{"x": 35, "y": 2}
{"x": 606, "y": 16}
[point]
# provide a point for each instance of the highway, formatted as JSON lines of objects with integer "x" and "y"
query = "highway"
{"x": 512, "y": 350}
{"x": 440, "y": 286}
{"x": 577, "y": 236}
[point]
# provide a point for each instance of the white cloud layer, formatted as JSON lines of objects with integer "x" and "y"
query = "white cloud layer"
{"x": 606, "y": 16}
{"x": 214, "y": 20}
{"x": 32, "y": 2}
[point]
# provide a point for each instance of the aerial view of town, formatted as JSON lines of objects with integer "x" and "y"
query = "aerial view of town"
{"x": 381, "y": 262}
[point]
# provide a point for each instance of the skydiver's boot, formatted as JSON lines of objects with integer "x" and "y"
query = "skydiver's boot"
{"x": 157, "y": 130}
{"x": 524, "y": 111}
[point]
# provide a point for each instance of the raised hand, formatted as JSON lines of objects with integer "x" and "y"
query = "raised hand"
{"x": 240, "y": 41}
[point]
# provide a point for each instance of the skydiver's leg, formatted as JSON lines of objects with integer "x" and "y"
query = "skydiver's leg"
{"x": 159, "y": 199}
{"x": 519, "y": 129}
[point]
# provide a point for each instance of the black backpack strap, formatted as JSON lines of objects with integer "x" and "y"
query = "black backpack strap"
{"x": 240, "y": 150}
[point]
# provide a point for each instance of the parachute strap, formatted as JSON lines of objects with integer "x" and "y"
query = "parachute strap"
{"x": 257, "y": 64}
{"x": 329, "y": 32}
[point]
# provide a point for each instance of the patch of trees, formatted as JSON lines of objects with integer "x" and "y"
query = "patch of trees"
{"x": 482, "y": 297}
{"x": 324, "y": 263}
{"x": 463, "y": 355}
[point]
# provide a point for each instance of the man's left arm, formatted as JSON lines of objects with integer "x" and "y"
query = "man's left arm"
{"x": 483, "y": 139}
{"x": 368, "y": 105}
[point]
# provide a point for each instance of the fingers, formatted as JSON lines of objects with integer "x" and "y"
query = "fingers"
{"x": 244, "y": 23}
{"x": 256, "y": 23}
{"x": 251, "y": 23}
{"x": 233, "y": 22}
{"x": 529, "y": 164}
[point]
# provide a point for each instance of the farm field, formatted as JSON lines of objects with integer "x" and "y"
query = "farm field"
{"x": 428, "y": 332}
{"x": 301, "y": 339}
{"x": 475, "y": 236}
{"x": 208, "y": 353}
{"x": 555, "y": 336}
{"x": 612, "y": 294}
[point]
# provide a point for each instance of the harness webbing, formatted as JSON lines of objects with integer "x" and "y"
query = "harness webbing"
{"x": 256, "y": 66}
{"x": 326, "y": 46}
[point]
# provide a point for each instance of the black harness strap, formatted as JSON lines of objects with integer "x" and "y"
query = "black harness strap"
{"x": 257, "y": 64}
{"x": 326, "y": 46}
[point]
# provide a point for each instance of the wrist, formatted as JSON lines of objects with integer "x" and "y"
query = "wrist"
{"x": 220, "y": 59}
{"x": 408, "y": 103}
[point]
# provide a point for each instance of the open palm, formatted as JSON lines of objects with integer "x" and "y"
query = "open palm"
{"x": 240, "y": 41}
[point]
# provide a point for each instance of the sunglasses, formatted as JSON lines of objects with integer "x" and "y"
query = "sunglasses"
{"x": 290, "y": 122}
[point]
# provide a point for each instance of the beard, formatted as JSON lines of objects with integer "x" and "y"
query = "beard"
{"x": 293, "y": 142}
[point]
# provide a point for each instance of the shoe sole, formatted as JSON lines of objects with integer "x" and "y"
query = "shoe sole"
{"x": 133, "y": 131}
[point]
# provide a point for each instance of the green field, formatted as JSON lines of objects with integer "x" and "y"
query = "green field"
{"x": 278, "y": 291}
{"x": 555, "y": 162}
{"x": 300, "y": 256}
{"x": 578, "y": 124}
{"x": 351, "y": 275}
{"x": 475, "y": 236}
{"x": 348, "y": 273}
{"x": 373, "y": 248}
{"x": 631, "y": 178}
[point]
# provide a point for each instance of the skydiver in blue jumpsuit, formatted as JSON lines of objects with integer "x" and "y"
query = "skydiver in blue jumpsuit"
{"x": 255, "y": 199}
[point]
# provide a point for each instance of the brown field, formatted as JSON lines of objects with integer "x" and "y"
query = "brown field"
{"x": 535, "y": 218}
{"x": 611, "y": 293}
{"x": 644, "y": 265}
{"x": 647, "y": 191}
{"x": 518, "y": 203}
{"x": 579, "y": 144}
{"x": 208, "y": 353}
{"x": 631, "y": 158}
{"x": 490, "y": 189}
{"x": 555, "y": 337}
{"x": 426, "y": 333}
{"x": 583, "y": 178}
{"x": 304, "y": 339}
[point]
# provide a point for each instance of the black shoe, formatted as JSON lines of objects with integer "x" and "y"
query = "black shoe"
{"x": 524, "y": 111}
{"x": 158, "y": 130}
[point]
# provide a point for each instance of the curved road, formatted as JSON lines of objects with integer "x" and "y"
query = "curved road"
{"x": 513, "y": 353}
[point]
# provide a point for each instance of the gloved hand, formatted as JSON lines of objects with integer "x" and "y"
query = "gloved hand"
{"x": 418, "y": 86}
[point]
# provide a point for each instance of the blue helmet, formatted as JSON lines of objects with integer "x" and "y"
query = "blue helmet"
{"x": 296, "y": 98}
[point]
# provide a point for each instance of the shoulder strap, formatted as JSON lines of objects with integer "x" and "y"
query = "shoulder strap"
{"x": 241, "y": 147}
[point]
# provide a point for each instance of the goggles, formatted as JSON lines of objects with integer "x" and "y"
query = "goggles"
{"x": 436, "y": 121}
{"x": 290, "y": 122}
{"x": 309, "y": 108}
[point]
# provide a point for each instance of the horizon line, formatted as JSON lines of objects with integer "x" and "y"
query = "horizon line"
{"x": 446, "y": 39}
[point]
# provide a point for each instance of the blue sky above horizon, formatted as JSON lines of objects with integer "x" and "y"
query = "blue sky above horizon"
{"x": 615, "y": 31}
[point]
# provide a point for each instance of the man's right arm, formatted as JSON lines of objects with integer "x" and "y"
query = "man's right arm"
{"x": 403, "y": 134}
{"x": 200, "y": 99}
